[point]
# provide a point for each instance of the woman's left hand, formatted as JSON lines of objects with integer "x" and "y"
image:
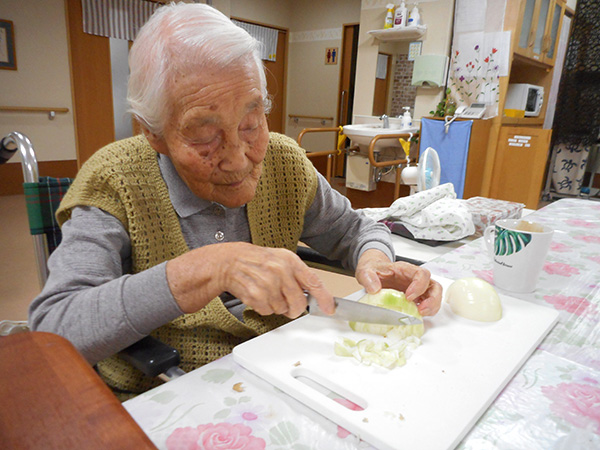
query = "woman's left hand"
{"x": 375, "y": 271}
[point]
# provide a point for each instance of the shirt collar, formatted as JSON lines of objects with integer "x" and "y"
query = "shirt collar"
{"x": 184, "y": 201}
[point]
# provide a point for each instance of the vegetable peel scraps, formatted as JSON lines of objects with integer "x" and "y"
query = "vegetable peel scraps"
{"x": 398, "y": 342}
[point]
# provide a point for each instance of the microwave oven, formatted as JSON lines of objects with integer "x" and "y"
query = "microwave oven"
{"x": 526, "y": 97}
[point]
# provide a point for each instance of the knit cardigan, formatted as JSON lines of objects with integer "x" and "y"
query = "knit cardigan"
{"x": 124, "y": 180}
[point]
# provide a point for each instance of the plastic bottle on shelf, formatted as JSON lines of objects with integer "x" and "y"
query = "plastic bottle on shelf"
{"x": 389, "y": 16}
{"x": 400, "y": 16}
{"x": 406, "y": 119}
{"x": 415, "y": 17}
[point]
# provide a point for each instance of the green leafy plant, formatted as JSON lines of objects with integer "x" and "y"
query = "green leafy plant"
{"x": 446, "y": 107}
{"x": 509, "y": 242}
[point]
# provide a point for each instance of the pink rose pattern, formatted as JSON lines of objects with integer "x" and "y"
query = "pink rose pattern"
{"x": 578, "y": 404}
{"x": 220, "y": 436}
{"x": 558, "y": 247}
{"x": 485, "y": 275}
{"x": 581, "y": 223}
{"x": 573, "y": 305}
{"x": 560, "y": 269}
{"x": 588, "y": 239}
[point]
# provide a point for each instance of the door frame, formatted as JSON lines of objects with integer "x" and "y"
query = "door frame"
{"x": 283, "y": 86}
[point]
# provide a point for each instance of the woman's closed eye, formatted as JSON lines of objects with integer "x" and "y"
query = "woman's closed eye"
{"x": 208, "y": 138}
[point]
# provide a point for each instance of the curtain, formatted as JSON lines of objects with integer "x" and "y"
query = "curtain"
{"x": 265, "y": 35}
{"x": 119, "y": 19}
{"x": 576, "y": 123}
{"x": 577, "y": 117}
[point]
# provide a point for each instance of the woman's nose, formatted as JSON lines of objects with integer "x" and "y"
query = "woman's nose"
{"x": 233, "y": 155}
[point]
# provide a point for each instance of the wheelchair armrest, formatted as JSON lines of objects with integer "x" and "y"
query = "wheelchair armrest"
{"x": 151, "y": 356}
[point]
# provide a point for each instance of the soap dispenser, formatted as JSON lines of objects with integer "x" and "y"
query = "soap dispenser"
{"x": 400, "y": 16}
{"x": 406, "y": 119}
{"x": 415, "y": 16}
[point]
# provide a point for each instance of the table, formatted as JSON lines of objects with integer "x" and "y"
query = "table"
{"x": 552, "y": 402}
{"x": 53, "y": 399}
{"x": 421, "y": 252}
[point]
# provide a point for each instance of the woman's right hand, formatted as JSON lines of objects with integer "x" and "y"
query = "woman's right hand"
{"x": 269, "y": 280}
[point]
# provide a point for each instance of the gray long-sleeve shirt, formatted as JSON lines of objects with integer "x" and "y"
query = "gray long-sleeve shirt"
{"x": 91, "y": 298}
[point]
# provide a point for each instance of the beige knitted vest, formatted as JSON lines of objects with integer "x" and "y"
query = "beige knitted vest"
{"x": 124, "y": 180}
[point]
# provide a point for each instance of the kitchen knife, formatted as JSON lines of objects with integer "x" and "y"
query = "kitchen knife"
{"x": 353, "y": 311}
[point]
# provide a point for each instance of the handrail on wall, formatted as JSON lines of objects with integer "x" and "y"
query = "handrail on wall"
{"x": 323, "y": 119}
{"x": 328, "y": 153}
{"x": 47, "y": 109}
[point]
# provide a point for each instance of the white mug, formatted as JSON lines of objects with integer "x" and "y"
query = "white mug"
{"x": 517, "y": 256}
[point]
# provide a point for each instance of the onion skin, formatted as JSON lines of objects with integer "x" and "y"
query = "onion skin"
{"x": 395, "y": 300}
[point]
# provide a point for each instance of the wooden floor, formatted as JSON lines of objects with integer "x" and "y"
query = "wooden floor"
{"x": 19, "y": 282}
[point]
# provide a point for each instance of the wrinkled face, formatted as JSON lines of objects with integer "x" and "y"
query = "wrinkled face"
{"x": 216, "y": 133}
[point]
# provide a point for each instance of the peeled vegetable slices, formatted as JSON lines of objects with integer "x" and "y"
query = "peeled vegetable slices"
{"x": 397, "y": 342}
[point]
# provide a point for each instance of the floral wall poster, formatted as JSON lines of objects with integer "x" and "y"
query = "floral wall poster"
{"x": 480, "y": 53}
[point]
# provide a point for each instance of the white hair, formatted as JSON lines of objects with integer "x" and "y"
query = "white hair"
{"x": 179, "y": 38}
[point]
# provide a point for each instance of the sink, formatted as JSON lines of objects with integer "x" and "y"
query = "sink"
{"x": 363, "y": 133}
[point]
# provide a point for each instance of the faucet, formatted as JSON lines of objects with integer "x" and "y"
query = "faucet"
{"x": 386, "y": 121}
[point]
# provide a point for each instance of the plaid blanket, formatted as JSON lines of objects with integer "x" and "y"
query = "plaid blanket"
{"x": 43, "y": 199}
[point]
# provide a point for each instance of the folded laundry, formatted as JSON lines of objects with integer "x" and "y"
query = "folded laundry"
{"x": 433, "y": 214}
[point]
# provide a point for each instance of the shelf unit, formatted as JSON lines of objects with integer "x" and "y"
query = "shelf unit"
{"x": 515, "y": 172}
{"x": 400, "y": 33}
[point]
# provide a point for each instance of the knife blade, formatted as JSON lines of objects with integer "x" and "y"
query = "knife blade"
{"x": 354, "y": 311}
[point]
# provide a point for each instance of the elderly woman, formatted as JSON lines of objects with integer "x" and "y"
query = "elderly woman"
{"x": 206, "y": 201}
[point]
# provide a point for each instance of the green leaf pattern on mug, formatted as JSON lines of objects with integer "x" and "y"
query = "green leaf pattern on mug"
{"x": 508, "y": 241}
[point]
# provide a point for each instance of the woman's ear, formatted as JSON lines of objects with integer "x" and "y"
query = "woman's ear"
{"x": 156, "y": 141}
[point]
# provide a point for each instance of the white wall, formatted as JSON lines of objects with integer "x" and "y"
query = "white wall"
{"x": 312, "y": 84}
{"x": 269, "y": 12}
{"x": 41, "y": 79}
{"x": 436, "y": 15}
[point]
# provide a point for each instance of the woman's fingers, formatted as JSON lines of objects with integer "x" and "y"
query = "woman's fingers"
{"x": 273, "y": 281}
{"x": 375, "y": 271}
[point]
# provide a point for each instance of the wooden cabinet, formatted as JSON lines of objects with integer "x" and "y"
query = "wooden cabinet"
{"x": 520, "y": 164}
{"x": 537, "y": 31}
{"x": 554, "y": 24}
{"x": 518, "y": 148}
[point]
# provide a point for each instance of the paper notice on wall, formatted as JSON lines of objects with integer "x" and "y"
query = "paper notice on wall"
{"x": 382, "y": 63}
{"x": 3, "y": 46}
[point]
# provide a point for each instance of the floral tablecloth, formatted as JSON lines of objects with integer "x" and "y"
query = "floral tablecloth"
{"x": 553, "y": 402}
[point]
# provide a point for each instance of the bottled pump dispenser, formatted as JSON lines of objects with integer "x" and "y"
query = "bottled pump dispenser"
{"x": 415, "y": 16}
{"x": 400, "y": 16}
{"x": 406, "y": 119}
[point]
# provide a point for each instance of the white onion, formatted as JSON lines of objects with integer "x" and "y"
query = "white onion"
{"x": 474, "y": 299}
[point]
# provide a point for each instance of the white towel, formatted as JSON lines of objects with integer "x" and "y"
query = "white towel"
{"x": 433, "y": 214}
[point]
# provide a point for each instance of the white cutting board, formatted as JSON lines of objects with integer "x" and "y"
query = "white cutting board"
{"x": 432, "y": 401}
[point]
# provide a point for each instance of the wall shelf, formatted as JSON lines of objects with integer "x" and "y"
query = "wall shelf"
{"x": 400, "y": 33}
